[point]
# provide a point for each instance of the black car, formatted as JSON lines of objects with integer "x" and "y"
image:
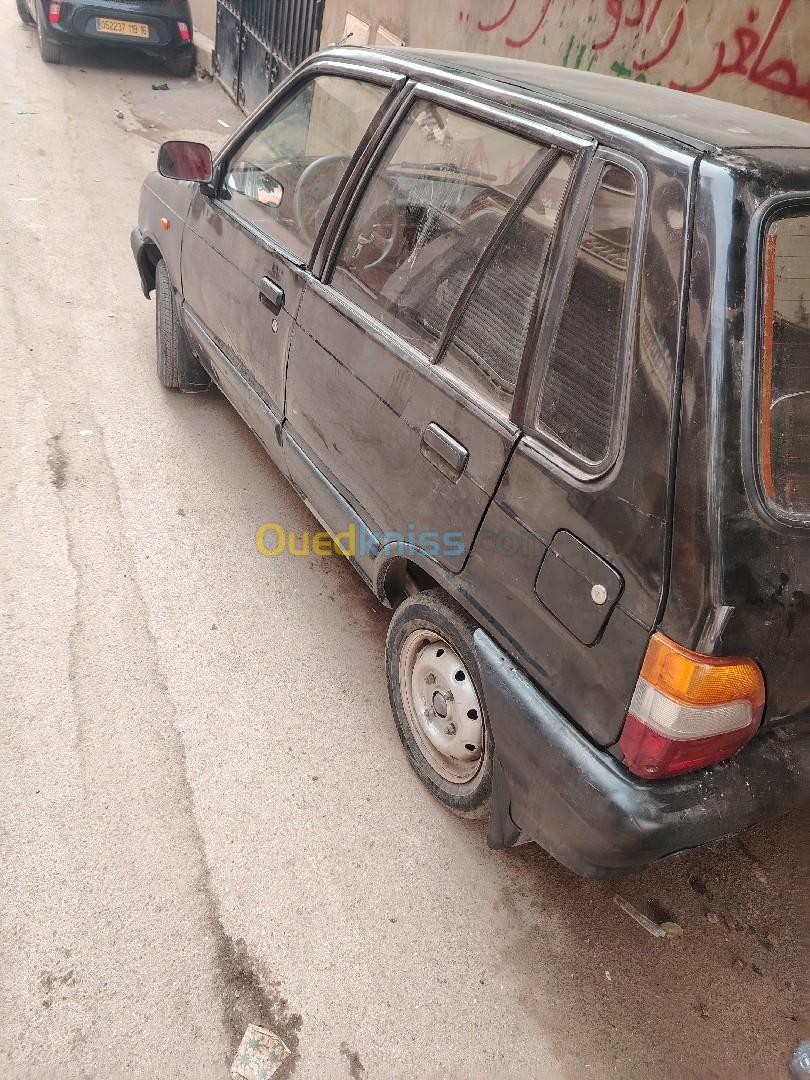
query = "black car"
{"x": 159, "y": 27}
{"x": 533, "y": 345}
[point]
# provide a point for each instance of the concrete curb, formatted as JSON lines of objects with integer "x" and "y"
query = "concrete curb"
{"x": 203, "y": 53}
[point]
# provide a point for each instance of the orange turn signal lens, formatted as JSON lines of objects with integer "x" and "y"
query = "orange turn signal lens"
{"x": 696, "y": 679}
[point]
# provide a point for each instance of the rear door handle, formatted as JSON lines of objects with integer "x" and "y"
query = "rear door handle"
{"x": 271, "y": 295}
{"x": 443, "y": 451}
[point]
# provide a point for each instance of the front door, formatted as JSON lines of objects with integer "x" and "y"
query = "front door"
{"x": 400, "y": 386}
{"x": 244, "y": 249}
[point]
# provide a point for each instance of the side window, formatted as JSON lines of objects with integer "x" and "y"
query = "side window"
{"x": 581, "y": 385}
{"x": 427, "y": 215}
{"x": 784, "y": 370}
{"x": 487, "y": 347}
{"x": 283, "y": 177}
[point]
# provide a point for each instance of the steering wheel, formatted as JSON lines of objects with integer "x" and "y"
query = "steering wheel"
{"x": 314, "y": 191}
{"x": 378, "y": 238}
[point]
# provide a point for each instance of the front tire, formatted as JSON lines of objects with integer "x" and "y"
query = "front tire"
{"x": 436, "y": 698}
{"x": 177, "y": 367}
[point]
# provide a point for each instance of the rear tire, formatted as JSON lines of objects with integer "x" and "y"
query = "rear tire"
{"x": 50, "y": 52}
{"x": 182, "y": 67}
{"x": 24, "y": 12}
{"x": 177, "y": 367}
{"x": 437, "y": 701}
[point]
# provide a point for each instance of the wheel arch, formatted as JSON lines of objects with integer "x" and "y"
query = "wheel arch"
{"x": 401, "y": 576}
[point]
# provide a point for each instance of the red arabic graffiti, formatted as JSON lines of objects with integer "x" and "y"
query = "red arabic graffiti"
{"x": 744, "y": 52}
{"x": 615, "y": 9}
{"x": 745, "y": 55}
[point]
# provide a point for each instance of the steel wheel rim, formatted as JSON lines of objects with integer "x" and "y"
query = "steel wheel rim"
{"x": 442, "y": 707}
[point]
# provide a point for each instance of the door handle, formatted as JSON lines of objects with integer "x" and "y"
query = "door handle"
{"x": 271, "y": 295}
{"x": 443, "y": 451}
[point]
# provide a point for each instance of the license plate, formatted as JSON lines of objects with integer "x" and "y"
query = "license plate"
{"x": 119, "y": 26}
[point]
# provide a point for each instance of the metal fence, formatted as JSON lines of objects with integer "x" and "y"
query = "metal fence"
{"x": 259, "y": 42}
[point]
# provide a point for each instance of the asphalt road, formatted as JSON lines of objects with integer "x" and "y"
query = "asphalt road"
{"x": 206, "y": 818}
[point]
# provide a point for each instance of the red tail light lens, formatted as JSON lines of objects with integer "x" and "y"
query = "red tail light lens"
{"x": 185, "y": 33}
{"x": 54, "y": 11}
{"x": 689, "y": 710}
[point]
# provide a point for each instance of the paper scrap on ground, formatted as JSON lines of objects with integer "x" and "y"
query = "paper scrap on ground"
{"x": 642, "y": 920}
{"x": 259, "y": 1055}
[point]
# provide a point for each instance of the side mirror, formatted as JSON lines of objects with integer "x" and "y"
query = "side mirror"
{"x": 179, "y": 160}
{"x": 271, "y": 192}
{"x": 252, "y": 182}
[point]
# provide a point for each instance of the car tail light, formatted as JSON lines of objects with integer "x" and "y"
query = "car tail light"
{"x": 54, "y": 11}
{"x": 689, "y": 710}
{"x": 185, "y": 33}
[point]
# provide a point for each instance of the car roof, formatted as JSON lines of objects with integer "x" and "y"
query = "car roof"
{"x": 698, "y": 121}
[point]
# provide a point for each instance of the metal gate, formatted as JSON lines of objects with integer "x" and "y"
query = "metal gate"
{"x": 259, "y": 42}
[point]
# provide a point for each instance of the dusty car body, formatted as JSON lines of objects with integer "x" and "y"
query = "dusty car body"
{"x": 523, "y": 331}
{"x": 161, "y": 28}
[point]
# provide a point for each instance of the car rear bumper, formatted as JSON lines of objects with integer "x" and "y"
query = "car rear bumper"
{"x": 78, "y": 25}
{"x": 553, "y": 785}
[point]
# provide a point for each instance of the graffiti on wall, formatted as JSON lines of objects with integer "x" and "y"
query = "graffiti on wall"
{"x": 650, "y": 40}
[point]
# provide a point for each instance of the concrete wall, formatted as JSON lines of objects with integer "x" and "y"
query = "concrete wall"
{"x": 204, "y": 15}
{"x": 755, "y": 52}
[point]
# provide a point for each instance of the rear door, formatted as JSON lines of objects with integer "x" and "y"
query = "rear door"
{"x": 400, "y": 385}
{"x": 245, "y": 244}
{"x": 569, "y": 566}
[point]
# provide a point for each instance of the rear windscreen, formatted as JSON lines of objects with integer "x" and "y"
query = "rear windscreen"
{"x": 784, "y": 370}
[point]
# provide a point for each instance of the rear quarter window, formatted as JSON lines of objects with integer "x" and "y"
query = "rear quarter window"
{"x": 580, "y": 392}
{"x": 783, "y": 414}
